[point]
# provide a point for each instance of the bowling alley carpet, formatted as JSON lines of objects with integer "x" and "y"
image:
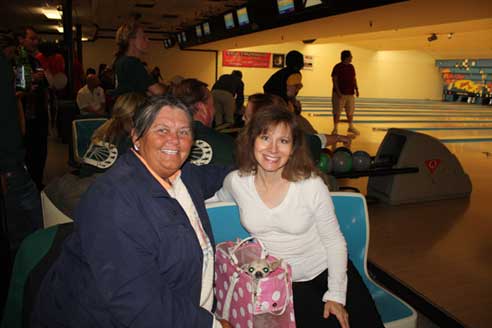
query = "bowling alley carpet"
{"x": 440, "y": 251}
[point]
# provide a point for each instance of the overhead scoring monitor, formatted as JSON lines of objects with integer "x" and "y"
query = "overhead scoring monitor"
{"x": 229, "y": 21}
{"x": 206, "y": 28}
{"x": 242, "y": 16}
{"x": 285, "y": 6}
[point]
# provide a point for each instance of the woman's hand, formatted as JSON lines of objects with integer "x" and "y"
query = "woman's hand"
{"x": 338, "y": 310}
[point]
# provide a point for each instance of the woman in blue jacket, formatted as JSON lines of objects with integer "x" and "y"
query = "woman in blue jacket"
{"x": 141, "y": 254}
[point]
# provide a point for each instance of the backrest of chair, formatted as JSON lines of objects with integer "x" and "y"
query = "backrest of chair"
{"x": 31, "y": 251}
{"x": 82, "y": 130}
{"x": 224, "y": 218}
{"x": 351, "y": 211}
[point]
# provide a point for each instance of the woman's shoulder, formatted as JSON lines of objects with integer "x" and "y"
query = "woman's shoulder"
{"x": 312, "y": 182}
{"x": 238, "y": 176}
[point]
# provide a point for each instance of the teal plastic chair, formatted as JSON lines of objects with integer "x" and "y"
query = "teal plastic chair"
{"x": 351, "y": 210}
{"x": 39, "y": 248}
{"x": 82, "y": 130}
{"x": 224, "y": 218}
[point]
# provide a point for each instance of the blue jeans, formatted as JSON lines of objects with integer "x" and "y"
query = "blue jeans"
{"x": 22, "y": 206}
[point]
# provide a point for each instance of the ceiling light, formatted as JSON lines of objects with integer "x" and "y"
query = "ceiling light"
{"x": 59, "y": 29}
{"x": 432, "y": 37}
{"x": 52, "y": 14}
{"x": 84, "y": 39}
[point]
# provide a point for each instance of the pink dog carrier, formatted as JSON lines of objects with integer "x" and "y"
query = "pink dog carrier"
{"x": 272, "y": 306}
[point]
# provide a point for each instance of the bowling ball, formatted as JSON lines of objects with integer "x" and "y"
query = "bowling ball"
{"x": 325, "y": 163}
{"x": 343, "y": 149}
{"x": 361, "y": 161}
{"x": 342, "y": 162}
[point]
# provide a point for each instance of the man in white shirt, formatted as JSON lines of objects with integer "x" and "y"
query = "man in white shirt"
{"x": 91, "y": 98}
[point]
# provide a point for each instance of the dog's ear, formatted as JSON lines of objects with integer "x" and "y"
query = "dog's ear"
{"x": 275, "y": 264}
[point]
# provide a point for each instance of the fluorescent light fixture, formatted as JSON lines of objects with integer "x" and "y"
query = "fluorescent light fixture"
{"x": 52, "y": 14}
{"x": 59, "y": 29}
{"x": 84, "y": 39}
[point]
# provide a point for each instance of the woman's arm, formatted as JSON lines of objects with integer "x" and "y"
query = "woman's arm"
{"x": 211, "y": 177}
{"x": 121, "y": 247}
{"x": 333, "y": 240}
{"x": 224, "y": 194}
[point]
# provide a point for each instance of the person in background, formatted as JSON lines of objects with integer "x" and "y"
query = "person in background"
{"x": 53, "y": 64}
{"x": 130, "y": 72}
{"x": 65, "y": 191}
{"x": 286, "y": 83}
{"x": 277, "y": 83}
{"x": 344, "y": 88}
{"x": 210, "y": 146}
{"x": 141, "y": 252}
{"x": 286, "y": 205}
{"x": 117, "y": 129}
{"x": 107, "y": 79}
{"x": 34, "y": 97}
{"x": 156, "y": 73}
{"x": 228, "y": 94}
{"x": 17, "y": 189}
{"x": 101, "y": 69}
{"x": 90, "y": 71}
{"x": 91, "y": 99}
{"x": 173, "y": 82}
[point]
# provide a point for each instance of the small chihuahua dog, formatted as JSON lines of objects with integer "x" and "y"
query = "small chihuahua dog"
{"x": 260, "y": 268}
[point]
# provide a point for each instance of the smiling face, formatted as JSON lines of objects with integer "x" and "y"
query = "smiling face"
{"x": 273, "y": 148}
{"x": 167, "y": 143}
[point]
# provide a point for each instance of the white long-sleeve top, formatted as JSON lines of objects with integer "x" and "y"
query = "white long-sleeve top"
{"x": 303, "y": 229}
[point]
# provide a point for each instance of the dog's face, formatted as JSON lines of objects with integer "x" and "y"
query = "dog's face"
{"x": 260, "y": 268}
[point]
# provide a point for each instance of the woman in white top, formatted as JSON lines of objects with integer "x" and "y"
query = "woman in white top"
{"x": 284, "y": 203}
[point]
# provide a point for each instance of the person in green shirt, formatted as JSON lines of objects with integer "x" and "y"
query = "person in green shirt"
{"x": 210, "y": 146}
{"x": 130, "y": 72}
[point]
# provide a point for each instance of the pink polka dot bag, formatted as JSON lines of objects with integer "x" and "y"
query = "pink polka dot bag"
{"x": 253, "y": 289}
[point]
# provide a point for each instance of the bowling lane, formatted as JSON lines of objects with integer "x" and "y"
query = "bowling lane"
{"x": 439, "y": 249}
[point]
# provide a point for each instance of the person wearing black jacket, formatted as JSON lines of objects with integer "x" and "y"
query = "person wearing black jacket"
{"x": 277, "y": 83}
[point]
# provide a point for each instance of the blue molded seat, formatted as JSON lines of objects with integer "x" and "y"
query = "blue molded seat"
{"x": 82, "y": 130}
{"x": 352, "y": 215}
{"x": 224, "y": 218}
{"x": 351, "y": 210}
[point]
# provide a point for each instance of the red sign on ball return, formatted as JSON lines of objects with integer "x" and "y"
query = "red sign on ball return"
{"x": 432, "y": 164}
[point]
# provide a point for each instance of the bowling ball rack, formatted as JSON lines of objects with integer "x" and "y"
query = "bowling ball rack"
{"x": 374, "y": 172}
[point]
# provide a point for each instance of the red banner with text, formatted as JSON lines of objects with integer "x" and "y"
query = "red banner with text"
{"x": 246, "y": 59}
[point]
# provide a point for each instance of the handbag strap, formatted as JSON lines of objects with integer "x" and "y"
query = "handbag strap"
{"x": 232, "y": 252}
{"x": 228, "y": 299}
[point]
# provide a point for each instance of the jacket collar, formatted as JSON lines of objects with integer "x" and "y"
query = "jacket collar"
{"x": 144, "y": 175}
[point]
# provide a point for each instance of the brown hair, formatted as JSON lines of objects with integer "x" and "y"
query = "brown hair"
{"x": 259, "y": 100}
{"x": 191, "y": 92}
{"x": 299, "y": 166}
{"x": 120, "y": 123}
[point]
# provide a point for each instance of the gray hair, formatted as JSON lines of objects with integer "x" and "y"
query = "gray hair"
{"x": 145, "y": 115}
